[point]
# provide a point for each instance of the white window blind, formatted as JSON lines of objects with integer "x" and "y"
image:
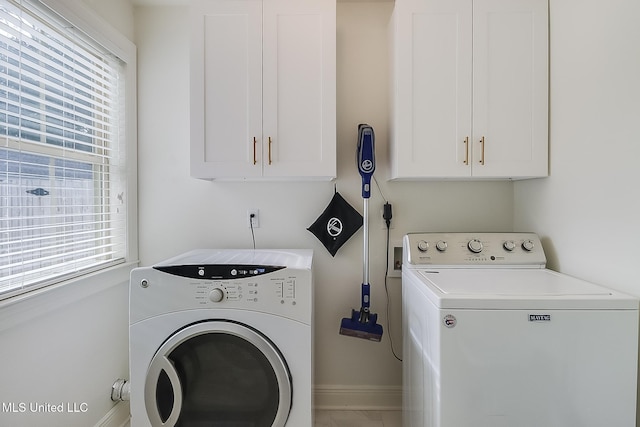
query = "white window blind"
{"x": 62, "y": 156}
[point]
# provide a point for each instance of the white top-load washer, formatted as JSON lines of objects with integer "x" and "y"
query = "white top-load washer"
{"x": 223, "y": 338}
{"x": 494, "y": 339}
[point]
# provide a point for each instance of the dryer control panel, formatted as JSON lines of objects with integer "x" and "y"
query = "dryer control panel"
{"x": 218, "y": 271}
{"x": 473, "y": 249}
{"x": 278, "y": 282}
{"x": 285, "y": 292}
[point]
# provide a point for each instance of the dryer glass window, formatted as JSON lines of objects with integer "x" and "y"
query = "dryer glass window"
{"x": 225, "y": 379}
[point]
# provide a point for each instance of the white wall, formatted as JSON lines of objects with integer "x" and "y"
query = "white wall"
{"x": 587, "y": 211}
{"x": 64, "y": 347}
{"x": 67, "y": 345}
{"x": 118, "y": 13}
{"x": 178, "y": 213}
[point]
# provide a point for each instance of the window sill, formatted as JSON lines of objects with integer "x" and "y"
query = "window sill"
{"x": 31, "y": 305}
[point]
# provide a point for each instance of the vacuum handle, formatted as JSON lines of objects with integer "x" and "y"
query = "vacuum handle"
{"x": 365, "y": 157}
{"x": 365, "y": 243}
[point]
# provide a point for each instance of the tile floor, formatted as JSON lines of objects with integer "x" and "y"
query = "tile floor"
{"x": 354, "y": 419}
{"x": 358, "y": 419}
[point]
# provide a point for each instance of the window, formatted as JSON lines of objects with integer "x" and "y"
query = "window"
{"x": 63, "y": 208}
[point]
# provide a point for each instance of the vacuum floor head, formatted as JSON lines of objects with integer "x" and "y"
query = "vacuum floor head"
{"x": 361, "y": 325}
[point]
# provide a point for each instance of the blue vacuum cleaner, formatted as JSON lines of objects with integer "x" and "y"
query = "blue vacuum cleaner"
{"x": 362, "y": 324}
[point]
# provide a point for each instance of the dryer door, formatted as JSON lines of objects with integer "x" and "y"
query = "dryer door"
{"x": 218, "y": 373}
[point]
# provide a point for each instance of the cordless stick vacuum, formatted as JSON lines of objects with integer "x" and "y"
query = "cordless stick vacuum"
{"x": 362, "y": 324}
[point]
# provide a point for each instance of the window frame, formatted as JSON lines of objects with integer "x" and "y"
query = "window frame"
{"x": 87, "y": 21}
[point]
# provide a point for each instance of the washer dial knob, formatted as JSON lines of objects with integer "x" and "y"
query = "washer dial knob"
{"x": 216, "y": 295}
{"x": 509, "y": 245}
{"x": 475, "y": 246}
{"x": 441, "y": 245}
{"x": 423, "y": 246}
{"x": 528, "y": 245}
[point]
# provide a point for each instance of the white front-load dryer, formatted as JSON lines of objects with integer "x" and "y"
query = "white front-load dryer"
{"x": 223, "y": 338}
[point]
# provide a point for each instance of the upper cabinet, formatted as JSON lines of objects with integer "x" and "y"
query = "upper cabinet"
{"x": 263, "y": 89}
{"x": 469, "y": 89}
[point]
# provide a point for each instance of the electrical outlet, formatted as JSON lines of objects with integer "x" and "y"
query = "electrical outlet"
{"x": 253, "y": 217}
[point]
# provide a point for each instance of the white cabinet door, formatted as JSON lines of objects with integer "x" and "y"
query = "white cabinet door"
{"x": 226, "y": 89}
{"x": 299, "y": 83}
{"x": 431, "y": 88}
{"x": 510, "y": 88}
{"x": 263, "y": 89}
{"x": 469, "y": 89}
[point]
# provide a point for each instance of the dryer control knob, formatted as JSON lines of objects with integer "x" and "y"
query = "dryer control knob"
{"x": 423, "y": 246}
{"x": 216, "y": 295}
{"x": 441, "y": 245}
{"x": 527, "y": 245}
{"x": 475, "y": 246}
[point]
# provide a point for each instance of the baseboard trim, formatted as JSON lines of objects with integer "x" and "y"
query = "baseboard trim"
{"x": 118, "y": 416}
{"x": 338, "y": 397}
{"x": 326, "y": 397}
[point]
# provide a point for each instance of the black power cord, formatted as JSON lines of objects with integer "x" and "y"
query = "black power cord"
{"x": 387, "y": 214}
{"x": 253, "y": 236}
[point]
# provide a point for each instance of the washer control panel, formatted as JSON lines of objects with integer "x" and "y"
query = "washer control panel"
{"x": 468, "y": 249}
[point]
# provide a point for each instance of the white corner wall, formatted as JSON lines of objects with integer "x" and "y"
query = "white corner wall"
{"x": 587, "y": 211}
{"x": 178, "y": 213}
{"x": 61, "y": 350}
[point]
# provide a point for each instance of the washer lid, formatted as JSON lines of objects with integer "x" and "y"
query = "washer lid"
{"x": 517, "y": 289}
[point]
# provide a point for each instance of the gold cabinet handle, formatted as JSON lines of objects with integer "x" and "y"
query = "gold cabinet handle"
{"x": 482, "y": 152}
{"x": 269, "y": 150}
{"x": 255, "y": 141}
{"x": 466, "y": 150}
